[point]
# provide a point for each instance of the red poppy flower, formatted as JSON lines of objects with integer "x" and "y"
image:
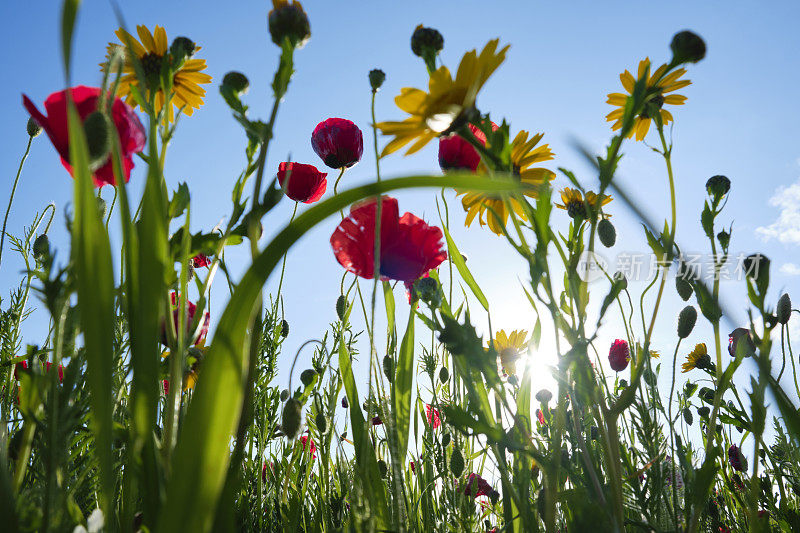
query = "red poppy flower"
{"x": 413, "y": 467}
{"x": 432, "y": 415}
{"x": 190, "y": 310}
{"x": 457, "y": 154}
{"x": 60, "y": 371}
{"x": 740, "y": 334}
{"x": 130, "y": 129}
{"x": 312, "y": 449}
{"x": 619, "y": 355}
{"x": 22, "y": 366}
{"x": 200, "y": 261}
{"x": 338, "y": 142}
{"x": 540, "y": 416}
{"x": 409, "y": 248}
{"x": 477, "y": 486}
{"x": 306, "y": 183}
{"x": 737, "y": 459}
{"x": 376, "y": 421}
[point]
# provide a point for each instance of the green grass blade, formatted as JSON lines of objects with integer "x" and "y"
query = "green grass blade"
{"x": 466, "y": 275}
{"x": 401, "y": 391}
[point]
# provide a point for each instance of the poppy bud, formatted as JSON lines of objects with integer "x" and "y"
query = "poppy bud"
{"x": 98, "y": 138}
{"x": 724, "y": 238}
{"x": 686, "y": 321}
{"x": 383, "y": 469}
{"x": 706, "y": 394}
{"x": 683, "y": 287}
{"x": 236, "y": 82}
{"x": 687, "y": 47}
{"x": 737, "y": 459}
{"x": 41, "y": 248}
{"x": 784, "y": 309}
{"x": 650, "y": 377}
{"x": 338, "y": 142}
{"x": 341, "y": 307}
{"x": 102, "y": 207}
{"x": 703, "y": 411}
{"x": 376, "y": 78}
{"x": 284, "y": 329}
{"x": 740, "y": 335}
{"x": 33, "y": 127}
{"x": 446, "y": 439}
{"x": 307, "y": 376}
{"x": 544, "y": 396}
{"x": 288, "y": 21}
{"x": 444, "y": 374}
{"x": 427, "y": 290}
{"x": 687, "y": 416}
{"x": 607, "y": 233}
{"x": 717, "y": 187}
{"x": 426, "y": 42}
{"x": 456, "y": 462}
{"x": 344, "y": 402}
{"x": 619, "y": 355}
{"x": 181, "y": 49}
{"x": 321, "y": 423}
{"x": 388, "y": 368}
{"x": 284, "y": 395}
{"x": 291, "y": 418}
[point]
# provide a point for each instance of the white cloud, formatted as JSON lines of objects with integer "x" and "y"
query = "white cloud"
{"x": 787, "y": 227}
{"x": 790, "y": 269}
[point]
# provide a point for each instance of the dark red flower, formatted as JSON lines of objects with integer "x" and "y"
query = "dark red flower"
{"x": 130, "y": 129}
{"x": 344, "y": 402}
{"x": 376, "y": 421}
{"x": 190, "y": 310}
{"x": 413, "y": 467}
{"x": 619, "y": 355}
{"x": 165, "y": 384}
{"x": 737, "y": 459}
{"x": 409, "y": 247}
{"x": 306, "y": 183}
{"x": 477, "y": 486}
{"x": 457, "y": 154}
{"x": 338, "y": 142}
{"x": 733, "y": 342}
{"x": 200, "y": 261}
{"x": 312, "y": 449}
{"x": 432, "y": 414}
{"x": 60, "y": 371}
{"x": 540, "y": 416}
{"x": 22, "y": 366}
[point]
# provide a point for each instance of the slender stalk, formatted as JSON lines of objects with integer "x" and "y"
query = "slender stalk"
{"x": 11, "y": 198}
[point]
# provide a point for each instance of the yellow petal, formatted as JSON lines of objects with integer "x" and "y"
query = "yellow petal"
{"x": 147, "y": 38}
{"x": 160, "y": 40}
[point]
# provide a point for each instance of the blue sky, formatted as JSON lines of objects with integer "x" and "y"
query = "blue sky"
{"x": 740, "y": 120}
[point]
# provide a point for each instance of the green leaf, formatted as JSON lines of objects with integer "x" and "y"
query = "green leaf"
{"x": 69, "y": 12}
{"x": 179, "y": 201}
{"x": 94, "y": 278}
{"x": 466, "y": 275}
{"x": 707, "y": 221}
{"x": 401, "y": 391}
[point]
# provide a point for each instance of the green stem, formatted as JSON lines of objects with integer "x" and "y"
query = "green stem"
{"x": 11, "y": 198}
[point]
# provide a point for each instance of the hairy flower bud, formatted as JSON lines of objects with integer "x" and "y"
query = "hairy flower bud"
{"x": 456, "y": 462}
{"x": 181, "y": 49}
{"x": 33, "y": 128}
{"x": 544, "y": 396}
{"x": 284, "y": 395}
{"x": 686, "y": 321}
{"x": 376, "y": 78}
{"x": 784, "y": 309}
{"x": 446, "y": 439}
{"x": 717, "y": 187}
{"x": 41, "y": 248}
{"x": 687, "y": 47}
{"x": 341, "y": 307}
{"x": 284, "y": 329}
{"x": 425, "y": 40}
{"x": 321, "y": 423}
{"x": 288, "y": 21}
{"x": 383, "y": 470}
{"x": 98, "y": 138}
{"x": 307, "y": 376}
{"x": 687, "y": 416}
{"x": 102, "y": 208}
{"x": 444, "y": 374}
{"x": 606, "y": 233}
{"x": 703, "y": 411}
{"x": 427, "y": 290}
{"x": 236, "y": 82}
{"x": 291, "y": 418}
{"x": 388, "y": 368}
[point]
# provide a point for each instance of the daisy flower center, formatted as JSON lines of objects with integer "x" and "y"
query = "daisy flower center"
{"x": 151, "y": 64}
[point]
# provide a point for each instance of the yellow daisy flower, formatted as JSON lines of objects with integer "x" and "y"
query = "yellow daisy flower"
{"x": 510, "y": 348}
{"x": 697, "y": 358}
{"x": 658, "y": 85}
{"x": 578, "y": 207}
{"x": 433, "y": 112}
{"x": 152, "y": 49}
{"x": 524, "y": 154}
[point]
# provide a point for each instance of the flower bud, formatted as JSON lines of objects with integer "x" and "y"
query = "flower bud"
{"x": 291, "y": 418}
{"x": 98, "y": 138}
{"x": 444, "y": 374}
{"x": 687, "y": 416}
{"x": 33, "y": 127}
{"x": 321, "y": 423}
{"x": 181, "y": 49}
{"x": 619, "y": 355}
{"x": 284, "y": 329}
{"x": 388, "y": 368}
{"x": 376, "y": 78}
{"x": 284, "y": 395}
{"x": 383, "y": 469}
{"x": 236, "y": 82}
{"x": 703, "y": 411}
{"x": 426, "y": 39}
{"x": 307, "y": 376}
{"x": 706, "y": 394}
{"x": 737, "y": 459}
{"x": 345, "y": 404}
{"x": 544, "y": 396}
{"x": 684, "y": 288}
{"x": 686, "y": 321}
{"x": 742, "y": 335}
{"x": 427, "y": 290}
{"x": 41, "y": 248}
{"x": 341, "y": 307}
{"x": 102, "y": 207}
{"x": 724, "y": 238}
{"x": 687, "y": 47}
{"x": 784, "y": 309}
{"x": 288, "y": 21}
{"x": 607, "y": 233}
{"x": 717, "y": 187}
{"x": 446, "y": 439}
{"x": 456, "y": 462}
